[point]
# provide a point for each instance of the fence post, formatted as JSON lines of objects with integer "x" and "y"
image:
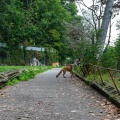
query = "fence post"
{"x": 113, "y": 82}
{"x": 93, "y": 72}
{"x": 82, "y": 70}
{"x": 100, "y": 75}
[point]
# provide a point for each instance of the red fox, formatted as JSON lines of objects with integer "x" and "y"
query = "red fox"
{"x": 66, "y": 68}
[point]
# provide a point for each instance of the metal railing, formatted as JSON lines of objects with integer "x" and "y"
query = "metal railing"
{"x": 106, "y": 77}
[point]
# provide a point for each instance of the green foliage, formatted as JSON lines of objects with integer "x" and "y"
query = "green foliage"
{"x": 72, "y": 8}
{"x": 37, "y": 23}
{"x": 51, "y": 56}
{"x": 12, "y": 16}
{"x": 108, "y": 59}
{"x": 49, "y": 22}
{"x": 55, "y": 34}
{"x": 28, "y": 73}
{"x": 12, "y": 82}
{"x": 117, "y": 48}
{"x": 90, "y": 54}
{"x": 99, "y": 76}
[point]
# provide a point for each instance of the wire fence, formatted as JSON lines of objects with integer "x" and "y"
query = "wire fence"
{"x": 24, "y": 55}
{"x": 105, "y": 77}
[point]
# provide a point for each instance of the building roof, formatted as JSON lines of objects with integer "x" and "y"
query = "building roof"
{"x": 27, "y": 48}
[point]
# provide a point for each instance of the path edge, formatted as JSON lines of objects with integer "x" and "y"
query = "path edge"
{"x": 101, "y": 91}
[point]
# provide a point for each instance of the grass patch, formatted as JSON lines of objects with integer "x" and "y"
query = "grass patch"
{"x": 12, "y": 82}
{"x": 34, "y": 68}
{"x": 29, "y": 72}
{"x": 104, "y": 75}
{"x": 26, "y": 75}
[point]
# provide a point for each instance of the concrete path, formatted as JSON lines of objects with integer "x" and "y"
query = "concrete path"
{"x": 50, "y": 98}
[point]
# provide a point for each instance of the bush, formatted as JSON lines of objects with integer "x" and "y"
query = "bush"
{"x": 108, "y": 59}
{"x": 26, "y": 75}
{"x": 12, "y": 82}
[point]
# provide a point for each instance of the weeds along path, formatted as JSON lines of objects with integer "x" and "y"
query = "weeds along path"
{"x": 49, "y": 98}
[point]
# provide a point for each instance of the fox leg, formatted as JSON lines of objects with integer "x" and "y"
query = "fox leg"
{"x": 72, "y": 75}
{"x": 64, "y": 74}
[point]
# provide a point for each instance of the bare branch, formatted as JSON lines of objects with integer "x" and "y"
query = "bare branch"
{"x": 84, "y": 16}
{"x": 90, "y": 8}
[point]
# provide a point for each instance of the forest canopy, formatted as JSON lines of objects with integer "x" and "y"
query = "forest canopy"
{"x": 54, "y": 25}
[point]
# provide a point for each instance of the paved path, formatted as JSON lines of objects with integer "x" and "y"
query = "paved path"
{"x": 50, "y": 98}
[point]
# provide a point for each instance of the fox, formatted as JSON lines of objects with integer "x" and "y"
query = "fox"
{"x": 65, "y": 69}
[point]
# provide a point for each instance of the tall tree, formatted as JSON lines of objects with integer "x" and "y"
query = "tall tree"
{"x": 106, "y": 21}
{"x": 35, "y": 22}
{"x": 102, "y": 11}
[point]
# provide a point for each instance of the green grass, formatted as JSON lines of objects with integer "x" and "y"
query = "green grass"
{"x": 12, "y": 82}
{"x": 35, "y": 68}
{"x": 105, "y": 77}
{"x": 28, "y": 73}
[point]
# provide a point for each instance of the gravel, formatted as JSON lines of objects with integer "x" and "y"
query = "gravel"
{"x": 49, "y": 98}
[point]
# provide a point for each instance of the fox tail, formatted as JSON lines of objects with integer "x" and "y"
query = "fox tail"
{"x": 58, "y": 73}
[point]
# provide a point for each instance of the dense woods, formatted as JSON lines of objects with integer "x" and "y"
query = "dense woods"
{"x": 54, "y": 25}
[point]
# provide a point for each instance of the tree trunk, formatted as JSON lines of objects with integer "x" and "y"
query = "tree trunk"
{"x": 105, "y": 22}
